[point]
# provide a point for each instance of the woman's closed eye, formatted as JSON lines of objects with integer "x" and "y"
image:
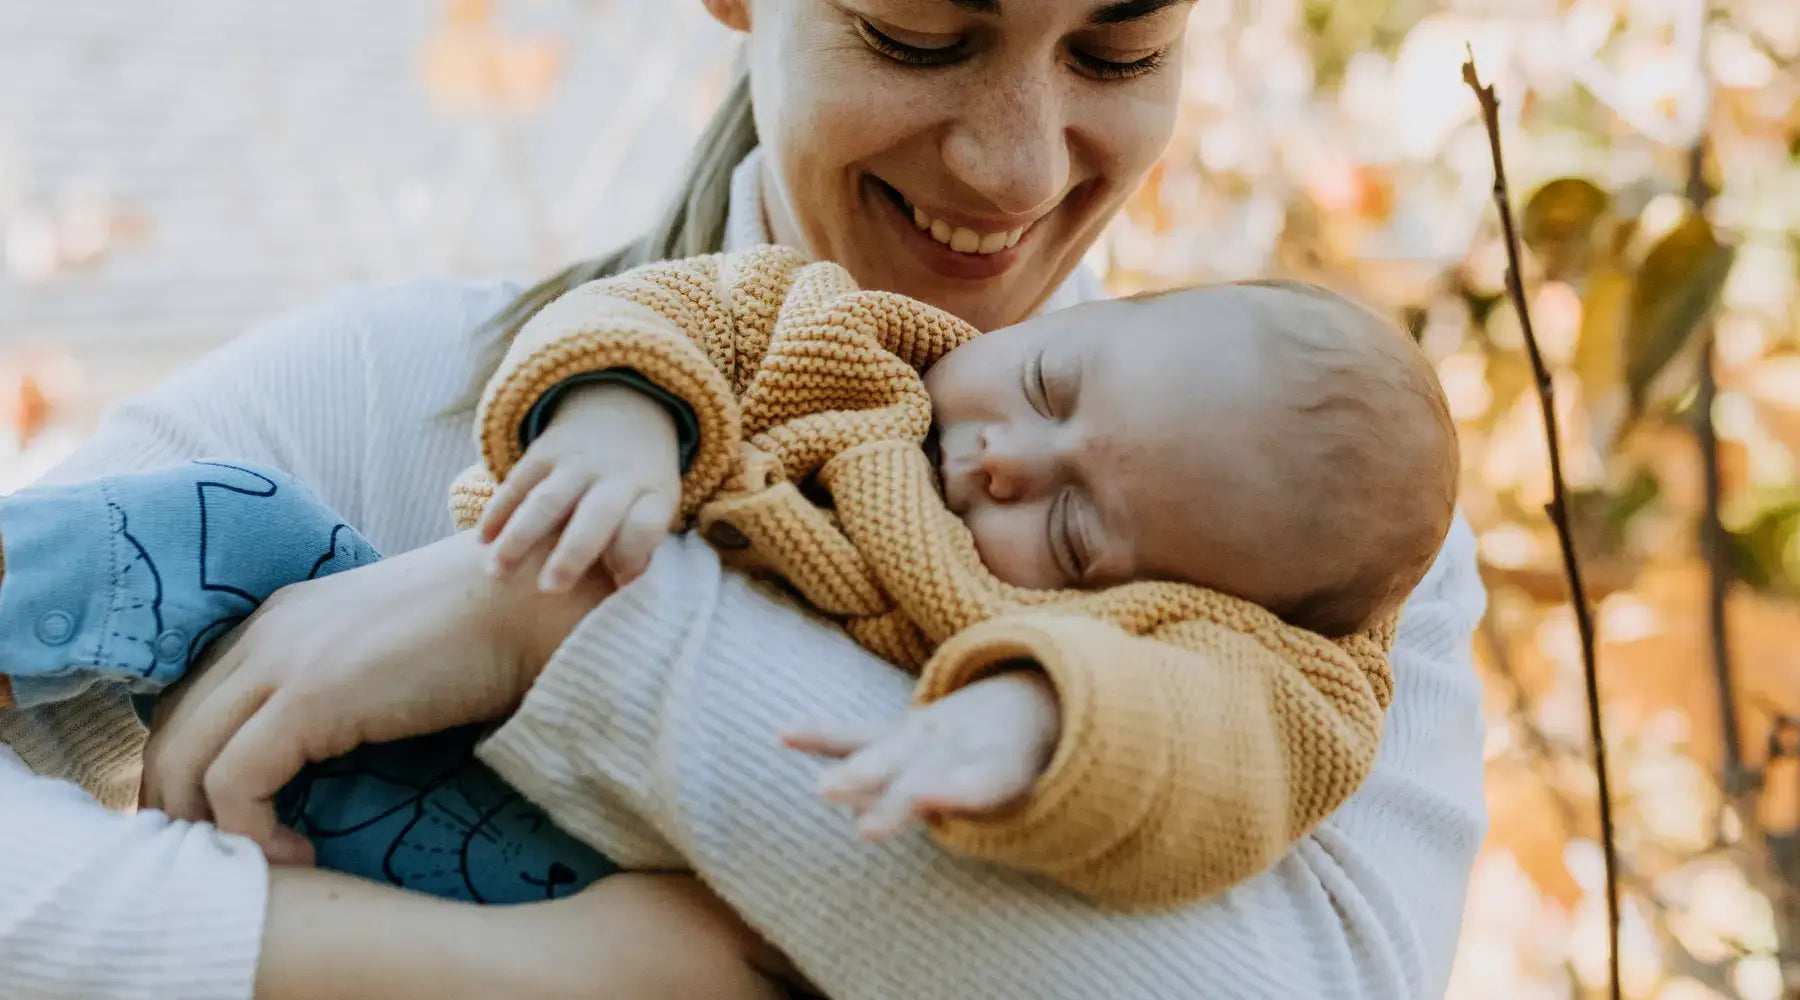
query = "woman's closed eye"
{"x": 911, "y": 49}
{"x": 934, "y": 50}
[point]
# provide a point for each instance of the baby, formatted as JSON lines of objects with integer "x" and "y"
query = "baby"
{"x": 996, "y": 524}
{"x": 1092, "y": 705}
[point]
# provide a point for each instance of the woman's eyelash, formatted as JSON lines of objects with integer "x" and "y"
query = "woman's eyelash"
{"x": 914, "y": 55}
{"x": 1107, "y": 69}
{"x": 899, "y": 51}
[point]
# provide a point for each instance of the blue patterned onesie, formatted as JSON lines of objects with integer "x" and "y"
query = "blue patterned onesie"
{"x": 128, "y": 579}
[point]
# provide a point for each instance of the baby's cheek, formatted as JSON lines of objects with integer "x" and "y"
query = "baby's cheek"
{"x": 1011, "y": 542}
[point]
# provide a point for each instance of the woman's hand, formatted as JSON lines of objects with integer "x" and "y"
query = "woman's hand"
{"x": 412, "y": 645}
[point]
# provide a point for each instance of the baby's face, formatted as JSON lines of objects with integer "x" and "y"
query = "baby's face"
{"x": 1084, "y": 448}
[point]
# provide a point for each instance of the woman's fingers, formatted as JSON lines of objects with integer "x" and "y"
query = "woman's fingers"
{"x": 509, "y": 494}
{"x": 178, "y": 756}
{"x": 541, "y": 513}
{"x": 260, "y": 757}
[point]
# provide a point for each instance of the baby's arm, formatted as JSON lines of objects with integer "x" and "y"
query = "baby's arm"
{"x": 128, "y": 578}
{"x": 977, "y": 750}
{"x": 663, "y": 338}
{"x": 1186, "y": 762}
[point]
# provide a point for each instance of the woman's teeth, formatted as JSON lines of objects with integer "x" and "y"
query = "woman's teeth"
{"x": 963, "y": 239}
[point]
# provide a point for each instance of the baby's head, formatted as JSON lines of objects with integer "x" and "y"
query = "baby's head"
{"x": 1272, "y": 440}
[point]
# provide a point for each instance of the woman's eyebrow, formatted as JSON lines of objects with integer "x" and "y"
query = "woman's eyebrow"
{"x": 1123, "y": 11}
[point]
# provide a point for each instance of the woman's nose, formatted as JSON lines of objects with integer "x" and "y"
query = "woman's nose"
{"x": 1010, "y": 145}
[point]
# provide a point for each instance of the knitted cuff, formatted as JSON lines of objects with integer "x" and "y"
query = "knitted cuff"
{"x": 1109, "y": 770}
{"x": 587, "y": 331}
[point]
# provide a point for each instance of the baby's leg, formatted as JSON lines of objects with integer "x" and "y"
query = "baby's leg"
{"x": 424, "y": 814}
{"x": 129, "y": 578}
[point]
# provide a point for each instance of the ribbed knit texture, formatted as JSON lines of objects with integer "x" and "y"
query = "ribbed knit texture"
{"x": 663, "y": 709}
{"x": 95, "y": 905}
{"x": 1202, "y": 736}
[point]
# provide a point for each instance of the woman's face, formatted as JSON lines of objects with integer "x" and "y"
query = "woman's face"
{"x": 963, "y": 152}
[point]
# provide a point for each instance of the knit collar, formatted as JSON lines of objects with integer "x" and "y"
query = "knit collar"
{"x": 746, "y": 226}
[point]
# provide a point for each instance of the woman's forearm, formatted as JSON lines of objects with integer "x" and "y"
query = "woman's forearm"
{"x": 666, "y": 701}
{"x": 96, "y": 905}
{"x": 629, "y": 937}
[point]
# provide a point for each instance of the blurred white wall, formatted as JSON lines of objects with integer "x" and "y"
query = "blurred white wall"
{"x": 172, "y": 170}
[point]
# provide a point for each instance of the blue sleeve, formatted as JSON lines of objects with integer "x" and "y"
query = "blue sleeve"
{"x": 131, "y": 577}
{"x": 687, "y": 425}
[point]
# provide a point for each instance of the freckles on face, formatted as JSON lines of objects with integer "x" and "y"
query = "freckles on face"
{"x": 1011, "y": 122}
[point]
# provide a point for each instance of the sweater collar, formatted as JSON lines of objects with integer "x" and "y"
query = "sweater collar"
{"x": 747, "y": 226}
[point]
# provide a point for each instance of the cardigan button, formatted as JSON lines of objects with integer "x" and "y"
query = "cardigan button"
{"x": 55, "y": 628}
{"x": 726, "y": 535}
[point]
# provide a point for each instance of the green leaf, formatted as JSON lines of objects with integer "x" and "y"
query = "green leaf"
{"x": 1675, "y": 290}
{"x": 1560, "y": 221}
{"x": 1768, "y": 549}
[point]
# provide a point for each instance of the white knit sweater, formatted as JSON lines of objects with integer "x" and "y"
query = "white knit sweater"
{"x": 652, "y": 735}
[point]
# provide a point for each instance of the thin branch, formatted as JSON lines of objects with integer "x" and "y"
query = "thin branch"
{"x": 1715, "y": 543}
{"x": 1558, "y": 510}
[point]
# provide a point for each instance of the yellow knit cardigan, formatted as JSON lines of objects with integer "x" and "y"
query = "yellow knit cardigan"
{"x": 1201, "y": 737}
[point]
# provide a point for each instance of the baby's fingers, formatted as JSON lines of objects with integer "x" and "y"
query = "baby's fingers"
{"x": 590, "y": 530}
{"x": 899, "y": 808}
{"x": 834, "y": 740}
{"x": 541, "y": 513}
{"x": 642, "y": 531}
{"x": 866, "y": 771}
{"x": 508, "y": 495}
{"x": 973, "y": 787}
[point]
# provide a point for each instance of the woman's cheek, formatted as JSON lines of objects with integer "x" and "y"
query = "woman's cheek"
{"x": 1011, "y": 542}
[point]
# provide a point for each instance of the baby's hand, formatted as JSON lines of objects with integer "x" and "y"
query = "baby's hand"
{"x": 607, "y": 473}
{"x": 979, "y": 749}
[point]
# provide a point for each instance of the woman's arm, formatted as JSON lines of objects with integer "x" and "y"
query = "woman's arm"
{"x": 297, "y": 394}
{"x": 95, "y": 905}
{"x": 629, "y": 937}
{"x": 666, "y": 702}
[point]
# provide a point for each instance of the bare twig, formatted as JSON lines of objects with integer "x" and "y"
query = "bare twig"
{"x": 1558, "y": 510}
{"x": 1714, "y": 542}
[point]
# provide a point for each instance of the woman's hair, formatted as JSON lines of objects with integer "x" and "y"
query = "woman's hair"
{"x": 691, "y": 224}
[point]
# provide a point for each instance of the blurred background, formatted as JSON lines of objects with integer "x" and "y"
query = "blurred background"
{"x": 172, "y": 171}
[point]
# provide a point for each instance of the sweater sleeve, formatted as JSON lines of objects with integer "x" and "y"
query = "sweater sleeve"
{"x": 96, "y": 905}
{"x": 670, "y": 323}
{"x": 670, "y": 695}
{"x": 100, "y": 906}
{"x": 1190, "y": 760}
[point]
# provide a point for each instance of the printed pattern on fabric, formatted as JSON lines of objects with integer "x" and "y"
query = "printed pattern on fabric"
{"x": 188, "y": 553}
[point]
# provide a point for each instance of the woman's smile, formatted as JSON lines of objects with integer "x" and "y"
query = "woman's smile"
{"x": 952, "y": 244}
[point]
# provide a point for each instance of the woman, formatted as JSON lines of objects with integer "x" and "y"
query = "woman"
{"x": 901, "y": 138}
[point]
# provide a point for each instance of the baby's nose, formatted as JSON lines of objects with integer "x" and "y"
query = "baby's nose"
{"x": 1014, "y": 469}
